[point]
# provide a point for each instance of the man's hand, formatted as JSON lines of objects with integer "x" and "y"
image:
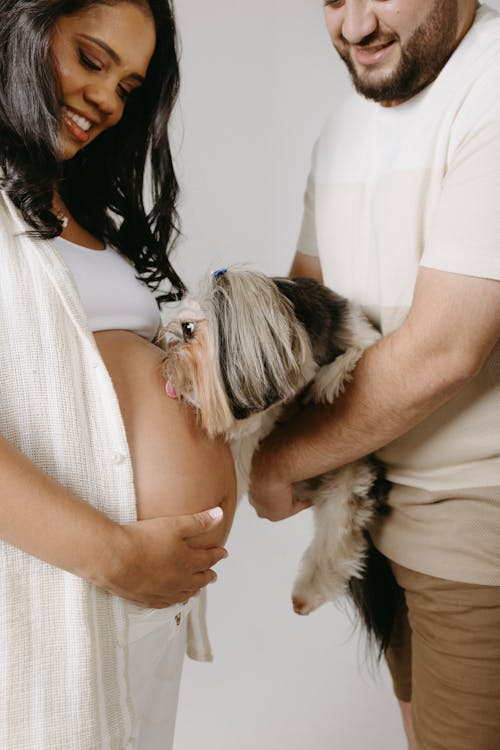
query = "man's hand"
{"x": 152, "y": 562}
{"x": 271, "y": 496}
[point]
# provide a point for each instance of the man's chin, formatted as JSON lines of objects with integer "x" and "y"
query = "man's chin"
{"x": 375, "y": 76}
{"x": 371, "y": 86}
{"x": 379, "y": 85}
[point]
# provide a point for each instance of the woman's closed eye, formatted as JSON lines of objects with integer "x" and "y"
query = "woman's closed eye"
{"x": 123, "y": 91}
{"x": 87, "y": 62}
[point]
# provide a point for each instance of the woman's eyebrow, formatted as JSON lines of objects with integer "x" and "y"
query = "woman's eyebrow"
{"x": 113, "y": 55}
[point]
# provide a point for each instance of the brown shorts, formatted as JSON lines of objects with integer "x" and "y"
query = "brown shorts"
{"x": 444, "y": 657}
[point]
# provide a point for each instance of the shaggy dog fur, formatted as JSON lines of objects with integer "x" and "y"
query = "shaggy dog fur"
{"x": 239, "y": 352}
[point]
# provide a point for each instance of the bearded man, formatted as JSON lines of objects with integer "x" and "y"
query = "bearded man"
{"x": 402, "y": 216}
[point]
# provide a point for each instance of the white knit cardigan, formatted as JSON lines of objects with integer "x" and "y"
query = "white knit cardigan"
{"x": 63, "y": 642}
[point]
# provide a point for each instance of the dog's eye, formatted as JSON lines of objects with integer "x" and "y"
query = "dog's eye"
{"x": 188, "y": 330}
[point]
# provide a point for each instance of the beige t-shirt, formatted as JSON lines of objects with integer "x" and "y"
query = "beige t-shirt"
{"x": 419, "y": 184}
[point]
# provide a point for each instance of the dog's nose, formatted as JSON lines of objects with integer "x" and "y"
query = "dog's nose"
{"x": 173, "y": 332}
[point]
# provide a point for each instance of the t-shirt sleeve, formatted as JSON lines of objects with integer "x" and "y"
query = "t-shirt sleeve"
{"x": 464, "y": 235}
{"x": 307, "y": 242}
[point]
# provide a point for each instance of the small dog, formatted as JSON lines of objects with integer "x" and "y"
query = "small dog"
{"x": 241, "y": 351}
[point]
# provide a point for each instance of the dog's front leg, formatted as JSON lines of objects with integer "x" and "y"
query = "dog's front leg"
{"x": 331, "y": 380}
{"x": 342, "y": 509}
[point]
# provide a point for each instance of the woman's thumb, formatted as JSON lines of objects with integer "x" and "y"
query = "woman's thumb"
{"x": 198, "y": 523}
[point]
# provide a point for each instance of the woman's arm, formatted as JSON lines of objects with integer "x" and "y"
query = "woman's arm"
{"x": 151, "y": 562}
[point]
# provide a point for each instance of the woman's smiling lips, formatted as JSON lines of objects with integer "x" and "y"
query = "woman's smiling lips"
{"x": 372, "y": 55}
{"x": 77, "y": 124}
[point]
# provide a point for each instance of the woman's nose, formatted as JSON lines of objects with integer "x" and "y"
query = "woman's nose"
{"x": 360, "y": 20}
{"x": 103, "y": 97}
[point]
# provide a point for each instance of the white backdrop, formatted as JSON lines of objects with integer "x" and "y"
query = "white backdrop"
{"x": 258, "y": 79}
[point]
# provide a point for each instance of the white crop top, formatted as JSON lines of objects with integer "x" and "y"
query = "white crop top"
{"x": 112, "y": 296}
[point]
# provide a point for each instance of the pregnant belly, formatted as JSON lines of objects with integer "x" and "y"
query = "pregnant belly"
{"x": 177, "y": 469}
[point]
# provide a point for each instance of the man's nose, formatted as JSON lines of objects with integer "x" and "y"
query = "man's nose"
{"x": 360, "y": 20}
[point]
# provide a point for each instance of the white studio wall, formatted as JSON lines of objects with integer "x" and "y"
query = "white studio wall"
{"x": 258, "y": 80}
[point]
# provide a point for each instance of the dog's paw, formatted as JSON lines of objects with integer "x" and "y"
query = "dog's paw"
{"x": 303, "y": 606}
{"x": 316, "y": 585}
{"x": 331, "y": 379}
{"x": 305, "y": 600}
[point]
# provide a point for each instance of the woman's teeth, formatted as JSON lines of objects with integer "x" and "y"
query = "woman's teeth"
{"x": 82, "y": 122}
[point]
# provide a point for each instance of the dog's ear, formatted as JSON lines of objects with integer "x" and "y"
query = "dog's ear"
{"x": 262, "y": 352}
{"x": 322, "y": 312}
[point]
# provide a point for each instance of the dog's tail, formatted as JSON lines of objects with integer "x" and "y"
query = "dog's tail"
{"x": 376, "y": 595}
{"x": 377, "y": 598}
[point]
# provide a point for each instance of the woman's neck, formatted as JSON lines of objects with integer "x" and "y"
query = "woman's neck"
{"x": 72, "y": 230}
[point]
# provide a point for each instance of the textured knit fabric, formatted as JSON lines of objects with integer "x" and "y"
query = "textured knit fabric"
{"x": 393, "y": 189}
{"x": 111, "y": 294}
{"x": 63, "y": 642}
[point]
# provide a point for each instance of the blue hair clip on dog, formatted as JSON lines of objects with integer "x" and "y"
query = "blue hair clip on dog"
{"x": 219, "y": 272}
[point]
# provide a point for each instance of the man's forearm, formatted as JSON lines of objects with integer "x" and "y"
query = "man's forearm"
{"x": 451, "y": 329}
{"x": 393, "y": 389}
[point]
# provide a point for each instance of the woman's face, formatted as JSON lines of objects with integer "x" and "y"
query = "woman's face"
{"x": 101, "y": 56}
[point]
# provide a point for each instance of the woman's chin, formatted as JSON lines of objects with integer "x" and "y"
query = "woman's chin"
{"x": 68, "y": 148}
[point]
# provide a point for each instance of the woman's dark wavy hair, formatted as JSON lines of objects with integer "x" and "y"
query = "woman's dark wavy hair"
{"x": 102, "y": 185}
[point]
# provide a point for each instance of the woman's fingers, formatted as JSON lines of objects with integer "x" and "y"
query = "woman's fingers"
{"x": 155, "y": 564}
{"x": 204, "y": 559}
{"x": 181, "y": 598}
{"x": 199, "y": 523}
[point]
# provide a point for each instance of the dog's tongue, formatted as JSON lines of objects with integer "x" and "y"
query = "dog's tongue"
{"x": 171, "y": 392}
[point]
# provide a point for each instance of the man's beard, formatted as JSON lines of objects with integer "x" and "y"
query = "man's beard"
{"x": 422, "y": 57}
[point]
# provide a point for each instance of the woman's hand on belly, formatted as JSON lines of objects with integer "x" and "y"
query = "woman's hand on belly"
{"x": 153, "y": 563}
{"x": 217, "y": 535}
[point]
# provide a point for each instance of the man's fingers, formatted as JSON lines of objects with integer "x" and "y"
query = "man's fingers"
{"x": 199, "y": 523}
{"x": 274, "y": 513}
{"x": 299, "y": 505}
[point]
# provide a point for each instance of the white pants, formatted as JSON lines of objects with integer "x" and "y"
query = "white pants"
{"x": 157, "y": 644}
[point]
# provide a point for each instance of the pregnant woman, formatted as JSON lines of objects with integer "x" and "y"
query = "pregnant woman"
{"x": 114, "y": 507}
